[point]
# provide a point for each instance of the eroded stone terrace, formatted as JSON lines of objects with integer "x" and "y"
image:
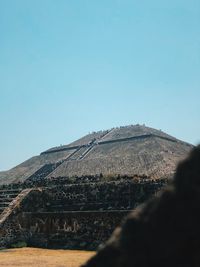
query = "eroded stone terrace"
{"x": 79, "y": 212}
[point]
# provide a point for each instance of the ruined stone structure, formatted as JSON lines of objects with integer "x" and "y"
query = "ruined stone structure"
{"x": 162, "y": 232}
{"x": 74, "y": 196}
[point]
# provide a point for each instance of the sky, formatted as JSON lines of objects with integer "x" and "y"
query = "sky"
{"x": 68, "y": 68}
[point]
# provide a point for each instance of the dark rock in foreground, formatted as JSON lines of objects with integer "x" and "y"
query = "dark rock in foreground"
{"x": 163, "y": 232}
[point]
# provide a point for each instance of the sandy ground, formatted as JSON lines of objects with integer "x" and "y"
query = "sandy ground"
{"x": 28, "y": 257}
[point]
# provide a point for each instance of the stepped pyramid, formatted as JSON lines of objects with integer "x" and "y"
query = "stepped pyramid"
{"x": 73, "y": 196}
{"x": 128, "y": 150}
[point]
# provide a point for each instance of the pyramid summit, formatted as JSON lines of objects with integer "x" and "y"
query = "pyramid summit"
{"x": 127, "y": 150}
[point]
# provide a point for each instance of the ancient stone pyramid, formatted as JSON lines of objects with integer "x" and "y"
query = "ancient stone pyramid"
{"x": 74, "y": 196}
{"x": 130, "y": 150}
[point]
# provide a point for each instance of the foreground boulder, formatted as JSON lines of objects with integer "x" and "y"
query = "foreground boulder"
{"x": 163, "y": 232}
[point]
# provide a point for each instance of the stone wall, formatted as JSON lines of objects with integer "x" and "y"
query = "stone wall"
{"x": 11, "y": 218}
{"x": 75, "y": 215}
{"x": 77, "y": 230}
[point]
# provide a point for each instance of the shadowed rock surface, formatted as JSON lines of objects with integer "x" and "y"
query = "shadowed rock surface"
{"x": 163, "y": 232}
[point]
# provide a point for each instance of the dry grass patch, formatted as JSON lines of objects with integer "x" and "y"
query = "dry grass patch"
{"x": 28, "y": 257}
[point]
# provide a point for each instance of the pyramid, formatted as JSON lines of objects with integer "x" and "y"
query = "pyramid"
{"x": 128, "y": 150}
{"x": 74, "y": 196}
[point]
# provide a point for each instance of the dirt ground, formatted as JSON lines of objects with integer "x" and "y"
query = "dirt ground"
{"x": 28, "y": 257}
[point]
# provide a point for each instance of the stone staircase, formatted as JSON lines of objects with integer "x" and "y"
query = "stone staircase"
{"x": 77, "y": 154}
{"x": 7, "y": 196}
{"x": 43, "y": 172}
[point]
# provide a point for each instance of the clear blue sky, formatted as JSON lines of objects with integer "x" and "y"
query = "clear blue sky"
{"x": 70, "y": 67}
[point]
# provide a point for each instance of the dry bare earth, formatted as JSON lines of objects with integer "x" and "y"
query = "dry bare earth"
{"x": 26, "y": 257}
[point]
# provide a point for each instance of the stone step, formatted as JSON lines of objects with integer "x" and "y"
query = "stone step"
{"x": 9, "y": 195}
{"x": 4, "y": 204}
{"x": 10, "y": 190}
{"x": 6, "y": 199}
